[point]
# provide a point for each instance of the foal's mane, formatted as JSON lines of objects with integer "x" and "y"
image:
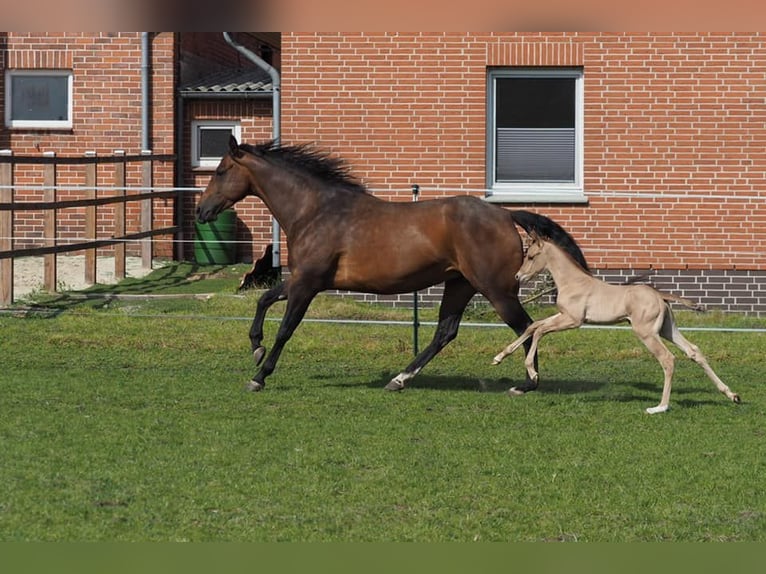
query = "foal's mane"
{"x": 329, "y": 169}
{"x": 567, "y": 254}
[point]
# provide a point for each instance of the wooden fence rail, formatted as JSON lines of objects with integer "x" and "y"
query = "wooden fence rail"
{"x": 51, "y": 205}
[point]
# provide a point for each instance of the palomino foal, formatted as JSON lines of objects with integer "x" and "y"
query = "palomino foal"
{"x": 584, "y": 299}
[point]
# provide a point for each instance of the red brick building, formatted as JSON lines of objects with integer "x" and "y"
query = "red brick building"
{"x": 669, "y": 158}
{"x": 649, "y": 148}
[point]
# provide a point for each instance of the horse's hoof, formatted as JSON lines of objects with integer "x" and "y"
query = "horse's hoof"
{"x": 254, "y": 386}
{"x": 394, "y": 385}
{"x": 514, "y": 392}
{"x": 497, "y": 360}
{"x": 736, "y": 399}
{"x": 258, "y": 355}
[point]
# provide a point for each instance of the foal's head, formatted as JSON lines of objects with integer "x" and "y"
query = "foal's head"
{"x": 230, "y": 183}
{"x": 535, "y": 259}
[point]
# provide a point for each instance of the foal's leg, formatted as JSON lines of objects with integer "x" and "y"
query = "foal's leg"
{"x": 457, "y": 294}
{"x": 671, "y": 333}
{"x": 299, "y": 297}
{"x": 517, "y": 318}
{"x": 270, "y": 297}
{"x": 558, "y": 322}
{"x": 652, "y": 341}
{"x": 510, "y": 349}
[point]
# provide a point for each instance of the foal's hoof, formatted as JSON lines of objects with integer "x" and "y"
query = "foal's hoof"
{"x": 254, "y": 386}
{"x": 394, "y": 385}
{"x": 658, "y": 409}
{"x": 736, "y": 399}
{"x": 258, "y": 355}
{"x": 514, "y": 392}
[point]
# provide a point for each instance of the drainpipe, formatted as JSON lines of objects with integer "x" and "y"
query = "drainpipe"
{"x": 145, "y": 93}
{"x": 276, "y": 87}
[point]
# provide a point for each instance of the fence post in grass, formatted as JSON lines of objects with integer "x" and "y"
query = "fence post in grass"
{"x": 6, "y": 230}
{"x": 415, "y": 318}
{"x": 146, "y": 211}
{"x": 49, "y": 223}
{"x": 90, "y": 218}
{"x": 119, "y": 215}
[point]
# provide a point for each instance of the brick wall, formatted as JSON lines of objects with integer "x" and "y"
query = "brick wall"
{"x": 106, "y": 116}
{"x": 680, "y": 118}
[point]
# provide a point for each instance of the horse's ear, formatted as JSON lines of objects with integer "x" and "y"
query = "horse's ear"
{"x": 234, "y": 147}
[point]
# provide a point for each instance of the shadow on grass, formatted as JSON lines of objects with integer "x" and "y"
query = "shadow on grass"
{"x": 623, "y": 392}
{"x": 485, "y": 385}
{"x": 176, "y": 278}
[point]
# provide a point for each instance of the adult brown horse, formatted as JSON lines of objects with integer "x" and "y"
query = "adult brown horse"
{"x": 339, "y": 236}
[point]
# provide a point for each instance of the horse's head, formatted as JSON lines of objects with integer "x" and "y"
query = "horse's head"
{"x": 535, "y": 260}
{"x": 230, "y": 183}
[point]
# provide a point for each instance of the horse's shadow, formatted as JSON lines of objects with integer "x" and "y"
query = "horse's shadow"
{"x": 474, "y": 384}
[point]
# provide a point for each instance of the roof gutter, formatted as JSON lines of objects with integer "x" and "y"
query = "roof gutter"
{"x": 276, "y": 124}
{"x": 145, "y": 91}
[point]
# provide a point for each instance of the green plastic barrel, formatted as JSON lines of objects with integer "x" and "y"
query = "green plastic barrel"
{"x": 214, "y": 243}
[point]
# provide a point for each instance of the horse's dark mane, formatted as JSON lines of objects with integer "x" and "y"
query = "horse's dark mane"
{"x": 546, "y": 228}
{"x": 327, "y": 168}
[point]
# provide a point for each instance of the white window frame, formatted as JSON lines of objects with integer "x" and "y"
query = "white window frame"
{"x": 37, "y": 124}
{"x": 535, "y": 192}
{"x": 197, "y": 127}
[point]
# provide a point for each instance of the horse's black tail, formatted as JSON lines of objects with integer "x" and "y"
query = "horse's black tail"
{"x": 549, "y": 229}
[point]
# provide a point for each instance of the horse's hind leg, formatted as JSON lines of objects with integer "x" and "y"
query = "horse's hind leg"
{"x": 457, "y": 294}
{"x": 671, "y": 333}
{"x": 270, "y": 297}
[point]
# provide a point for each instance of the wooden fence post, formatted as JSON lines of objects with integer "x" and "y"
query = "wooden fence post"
{"x": 146, "y": 212}
{"x": 49, "y": 223}
{"x": 119, "y": 215}
{"x": 6, "y": 231}
{"x": 90, "y": 219}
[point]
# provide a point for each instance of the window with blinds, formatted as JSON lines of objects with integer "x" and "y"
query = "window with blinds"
{"x": 535, "y": 133}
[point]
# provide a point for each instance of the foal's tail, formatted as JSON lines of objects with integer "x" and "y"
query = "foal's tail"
{"x": 685, "y": 302}
{"x": 549, "y": 229}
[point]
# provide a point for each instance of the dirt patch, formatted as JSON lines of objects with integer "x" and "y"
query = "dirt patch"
{"x": 70, "y": 273}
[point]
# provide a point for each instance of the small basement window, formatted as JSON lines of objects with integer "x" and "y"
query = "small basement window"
{"x": 210, "y": 141}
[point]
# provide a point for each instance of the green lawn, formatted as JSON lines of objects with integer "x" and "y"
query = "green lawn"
{"x": 127, "y": 420}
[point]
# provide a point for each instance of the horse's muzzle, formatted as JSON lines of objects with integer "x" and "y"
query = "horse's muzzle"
{"x": 205, "y": 215}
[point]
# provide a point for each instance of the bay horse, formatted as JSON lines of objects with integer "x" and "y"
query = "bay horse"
{"x": 340, "y": 236}
{"x": 583, "y": 298}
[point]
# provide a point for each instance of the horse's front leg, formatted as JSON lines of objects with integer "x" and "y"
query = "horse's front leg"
{"x": 299, "y": 297}
{"x": 270, "y": 297}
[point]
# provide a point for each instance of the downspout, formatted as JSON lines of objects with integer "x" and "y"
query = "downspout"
{"x": 145, "y": 92}
{"x": 276, "y": 88}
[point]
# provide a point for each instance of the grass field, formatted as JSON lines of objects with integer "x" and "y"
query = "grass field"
{"x": 127, "y": 420}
